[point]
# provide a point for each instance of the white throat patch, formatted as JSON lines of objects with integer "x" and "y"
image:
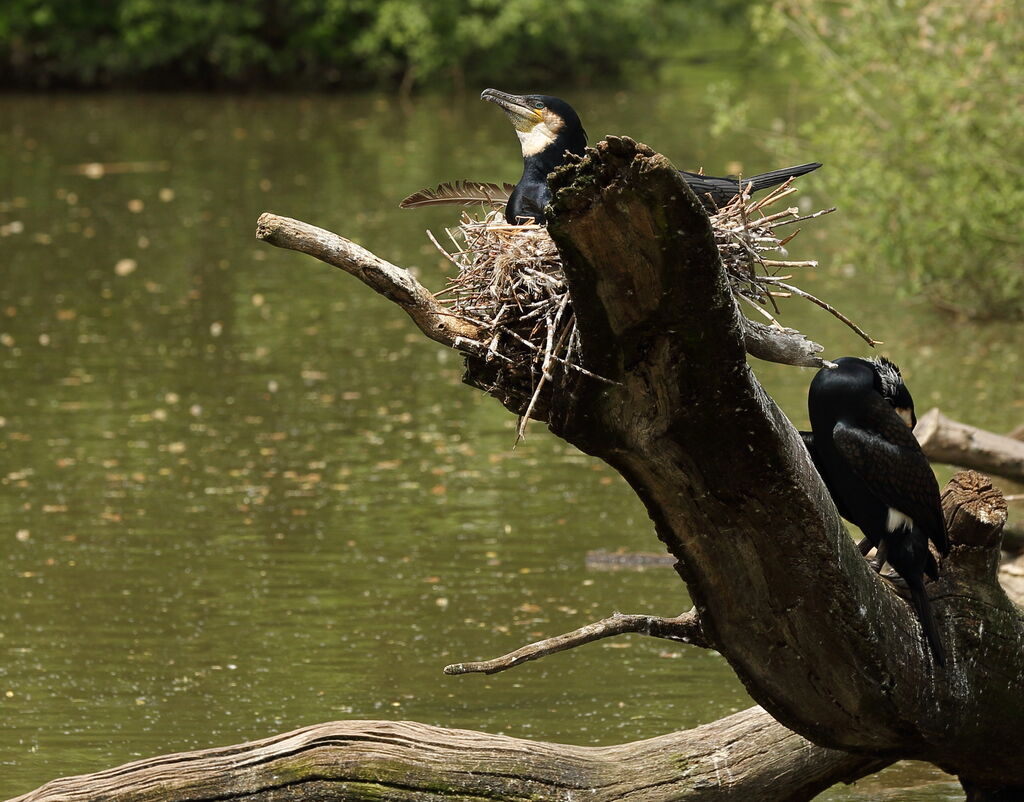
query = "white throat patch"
{"x": 536, "y": 139}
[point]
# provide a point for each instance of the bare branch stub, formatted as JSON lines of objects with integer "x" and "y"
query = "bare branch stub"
{"x": 975, "y": 514}
{"x": 784, "y": 345}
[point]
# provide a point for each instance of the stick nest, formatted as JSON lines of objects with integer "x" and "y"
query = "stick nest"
{"x": 510, "y": 283}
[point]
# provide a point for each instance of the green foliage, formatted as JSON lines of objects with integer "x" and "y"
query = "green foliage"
{"x": 347, "y": 43}
{"x": 920, "y": 120}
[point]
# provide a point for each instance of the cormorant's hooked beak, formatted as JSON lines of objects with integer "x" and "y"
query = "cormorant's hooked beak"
{"x": 523, "y": 116}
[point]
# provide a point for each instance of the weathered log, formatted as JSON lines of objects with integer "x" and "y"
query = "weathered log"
{"x": 734, "y": 497}
{"x": 818, "y": 639}
{"x": 1011, "y": 577}
{"x": 955, "y": 443}
{"x": 744, "y": 756}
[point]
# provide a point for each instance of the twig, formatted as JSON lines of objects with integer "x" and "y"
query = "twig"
{"x": 444, "y": 253}
{"x": 764, "y": 312}
{"x": 545, "y": 368}
{"x": 828, "y": 308}
{"x": 685, "y": 628}
{"x": 771, "y": 218}
{"x": 784, "y": 263}
{"x": 806, "y": 217}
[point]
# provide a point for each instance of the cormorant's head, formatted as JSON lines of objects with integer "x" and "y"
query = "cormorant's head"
{"x": 547, "y": 126}
{"x": 889, "y": 384}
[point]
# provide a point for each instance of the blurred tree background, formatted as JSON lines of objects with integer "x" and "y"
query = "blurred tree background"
{"x": 918, "y": 103}
{"x": 920, "y": 108}
{"x": 343, "y": 43}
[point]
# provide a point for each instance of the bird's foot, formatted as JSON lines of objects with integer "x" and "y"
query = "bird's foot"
{"x": 895, "y": 579}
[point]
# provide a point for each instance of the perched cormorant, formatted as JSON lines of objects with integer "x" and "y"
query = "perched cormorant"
{"x": 549, "y": 128}
{"x": 862, "y": 443}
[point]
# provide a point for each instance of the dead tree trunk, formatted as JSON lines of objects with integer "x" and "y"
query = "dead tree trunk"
{"x": 819, "y": 640}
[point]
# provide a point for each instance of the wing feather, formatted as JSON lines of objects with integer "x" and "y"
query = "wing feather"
{"x": 890, "y": 462}
{"x": 460, "y": 193}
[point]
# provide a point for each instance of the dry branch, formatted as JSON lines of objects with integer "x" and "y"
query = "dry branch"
{"x": 779, "y": 344}
{"x": 684, "y": 628}
{"x": 824, "y": 644}
{"x": 394, "y": 283}
{"x": 949, "y": 441}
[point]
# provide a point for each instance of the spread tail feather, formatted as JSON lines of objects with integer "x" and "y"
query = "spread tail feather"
{"x": 770, "y": 179}
{"x": 927, "y": 618}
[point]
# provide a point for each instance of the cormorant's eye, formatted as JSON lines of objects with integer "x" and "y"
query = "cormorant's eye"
{"x": 537, "y": 104}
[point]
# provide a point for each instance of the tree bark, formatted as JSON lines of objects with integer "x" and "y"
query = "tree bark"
{"x": 824, "y": 644}
{"x": 744, "y": 756}
{"x": 950, "y": 441}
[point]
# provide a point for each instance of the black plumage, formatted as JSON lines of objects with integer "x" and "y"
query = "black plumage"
{"x": 862, "y": 443}
{"x": 550, "y": 131}
{"x": 715, "y": 193}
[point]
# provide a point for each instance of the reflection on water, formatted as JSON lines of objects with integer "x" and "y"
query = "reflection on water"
{"x": 241, "y": 494}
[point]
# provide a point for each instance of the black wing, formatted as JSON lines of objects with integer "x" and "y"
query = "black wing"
{"x": 819, "y": 466}
{"x": 885, "y": 455}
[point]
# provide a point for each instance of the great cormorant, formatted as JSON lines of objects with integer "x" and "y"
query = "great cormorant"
{"x": 862, "y": 443}
{"x": 549, "y": 128}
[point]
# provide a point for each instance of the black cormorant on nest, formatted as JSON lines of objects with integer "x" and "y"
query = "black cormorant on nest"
{"x": 550, "y": 132}
{"x": 510, "y": 280}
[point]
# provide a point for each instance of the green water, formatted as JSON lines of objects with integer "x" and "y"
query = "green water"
{"x": 240, "y": 493}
